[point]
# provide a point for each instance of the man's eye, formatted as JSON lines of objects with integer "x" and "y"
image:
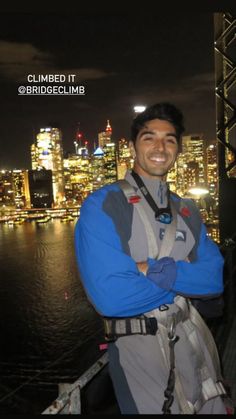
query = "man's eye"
{"x": 147, "y": 138}
{"x": 171, "y": 140}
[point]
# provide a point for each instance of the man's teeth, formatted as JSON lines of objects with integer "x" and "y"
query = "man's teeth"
{"x": 157, "y": 159}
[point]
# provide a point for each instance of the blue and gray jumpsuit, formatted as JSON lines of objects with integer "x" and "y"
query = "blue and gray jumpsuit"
{"x": 110, "y": 238}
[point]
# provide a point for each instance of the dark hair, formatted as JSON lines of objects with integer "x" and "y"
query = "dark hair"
{"x": 165, "y": 111}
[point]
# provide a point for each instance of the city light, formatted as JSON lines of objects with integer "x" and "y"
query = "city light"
{"x": 139, "y": 108}
{"x": 200, "y": 191}
{"x": 68, "y": 181}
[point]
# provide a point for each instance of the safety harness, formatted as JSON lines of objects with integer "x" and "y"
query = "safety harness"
{"x": 165, "y": 323}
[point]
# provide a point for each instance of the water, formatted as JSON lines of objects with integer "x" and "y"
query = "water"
{"x": 49, "y": 331}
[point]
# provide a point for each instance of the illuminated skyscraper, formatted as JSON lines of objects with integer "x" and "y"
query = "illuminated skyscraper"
{"x": 77, "y": 177}
{"x": 108, "y": 147}
{"x": 194, "y": 149}
{"x": 104, "y": 137}
{"x": 6, "y": 189}
{"x": 47, "y": 153}
{"x": 110, "y": 163}
{"x": 191, "y": 163}
{"x": 97, "y": 175}
{"x": 14, "y": 188}
{"x": 125, "y": 160}
{"x": 20, "y": 188}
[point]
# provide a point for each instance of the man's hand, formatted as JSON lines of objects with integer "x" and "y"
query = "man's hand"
{"x": 142, "y": 267}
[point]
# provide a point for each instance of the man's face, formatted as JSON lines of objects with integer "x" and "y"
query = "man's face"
{"x": 155, "y": 149}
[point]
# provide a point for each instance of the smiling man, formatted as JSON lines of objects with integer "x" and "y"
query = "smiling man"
{"x": 155, "y": 149}
{"x": 143, "y": 254}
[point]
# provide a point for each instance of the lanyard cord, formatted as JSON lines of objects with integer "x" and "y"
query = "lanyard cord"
{"x": 163, "y": 215}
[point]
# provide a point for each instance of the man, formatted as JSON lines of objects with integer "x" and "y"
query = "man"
{"x": 143, "y": 253}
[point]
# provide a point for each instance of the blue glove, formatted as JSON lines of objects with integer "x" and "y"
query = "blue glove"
{"x": 162, "y": 272}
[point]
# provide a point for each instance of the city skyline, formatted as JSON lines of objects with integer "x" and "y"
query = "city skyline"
{"x": 63, "y": 183}
{"x": 121, "y": 61}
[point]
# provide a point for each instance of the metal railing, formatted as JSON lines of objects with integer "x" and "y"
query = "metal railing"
{"x": 69, "y": 398}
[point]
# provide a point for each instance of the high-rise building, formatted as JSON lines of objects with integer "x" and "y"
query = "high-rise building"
{"x": 6, "y": 189}
{"x": 108, "y": 147}
{"x": 40, "y": 187}
{"x": 104, "y": 137}
{"x": 97, "y": 175}
{"x": 47, "y": 153}
{"x": 77, "y": 177}
{"x": 14, "y": 188}
{"x": 191, "y": 163}
{"x": 20, "y": 188}
{"x": 124, "y": 160}
{"x": 110, "y": 162}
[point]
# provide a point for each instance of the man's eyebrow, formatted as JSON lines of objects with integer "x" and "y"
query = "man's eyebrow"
{"x": 172, "y": 134}
{"x": 169, "y": 134}
{"x": 147, "y": 132}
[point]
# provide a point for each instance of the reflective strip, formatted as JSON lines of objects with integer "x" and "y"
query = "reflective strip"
{"x": 137, "y": 326}
{"x": 120, "y": 327}
{"x": 220, "y": 387}
{"x": 208, "y": 393}
{"x": 210, "y": 389}
{"x": 115, "y": 327}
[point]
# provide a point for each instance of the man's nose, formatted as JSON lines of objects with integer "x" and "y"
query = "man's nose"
{"x": 159, "y": 144}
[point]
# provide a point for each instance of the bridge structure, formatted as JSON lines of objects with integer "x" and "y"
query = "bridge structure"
{"x": 225, "y": 99}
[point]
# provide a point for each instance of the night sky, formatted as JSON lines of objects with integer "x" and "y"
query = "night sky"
{"x": 122, "y": 60}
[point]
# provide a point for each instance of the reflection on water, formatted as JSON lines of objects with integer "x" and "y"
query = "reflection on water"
{"x": 46, "y": 321}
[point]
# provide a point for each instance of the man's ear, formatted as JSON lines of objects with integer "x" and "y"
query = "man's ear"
{"x": 132, "y": 149}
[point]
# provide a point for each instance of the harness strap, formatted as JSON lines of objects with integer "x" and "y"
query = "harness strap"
{"x": 151, "y": 239}
{"x": 142, "y": 325}
{"x": 210, "y": 389}
{"x": 170, "y": 233}
{"x": 165, "y": 332}
{"x": 170, "y": 230}
{"x": 208, "y": 338}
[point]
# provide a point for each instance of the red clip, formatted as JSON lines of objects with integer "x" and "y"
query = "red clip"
{"x": 229, "y": 410}
{"x": 103, "y": 346}
{"x": 134, "y": 199}
{"x": 185, "y": 212}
